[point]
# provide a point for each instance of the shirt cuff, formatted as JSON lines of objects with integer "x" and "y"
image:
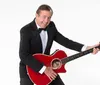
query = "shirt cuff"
{"x": 42, "y": 69}
{"x": 84, "y": 48}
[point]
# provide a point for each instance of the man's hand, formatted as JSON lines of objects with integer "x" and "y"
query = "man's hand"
{"x": 95, "y": 50}
{"x": 50, "y": 73}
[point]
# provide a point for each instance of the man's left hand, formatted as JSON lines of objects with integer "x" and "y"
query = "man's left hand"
{"x": 95, "y": 50}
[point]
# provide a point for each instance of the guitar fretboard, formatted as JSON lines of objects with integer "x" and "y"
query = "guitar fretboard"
{"x": 67, "y": 59}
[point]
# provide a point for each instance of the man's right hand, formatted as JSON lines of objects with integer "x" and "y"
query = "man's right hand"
{"x": 50, "y": 73}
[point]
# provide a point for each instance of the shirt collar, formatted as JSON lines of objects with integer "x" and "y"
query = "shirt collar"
{"x": 37, "y": 25}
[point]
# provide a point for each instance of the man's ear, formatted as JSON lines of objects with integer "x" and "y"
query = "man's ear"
{"x": 37, "y": 15}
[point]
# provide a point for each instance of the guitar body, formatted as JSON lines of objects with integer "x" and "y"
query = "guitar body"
{"x": 42, "y": 79}
{"x": 56, "y": 61}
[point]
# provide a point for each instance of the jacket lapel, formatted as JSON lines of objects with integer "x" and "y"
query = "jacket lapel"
{"x": 36, "y": 33}
{"x": 49, "y": 40}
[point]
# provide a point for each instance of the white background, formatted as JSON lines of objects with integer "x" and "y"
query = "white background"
{"x": 78, "y": 20}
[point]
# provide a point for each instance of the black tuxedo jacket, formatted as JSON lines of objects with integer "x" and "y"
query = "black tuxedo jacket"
{"x": 30, "y": 43}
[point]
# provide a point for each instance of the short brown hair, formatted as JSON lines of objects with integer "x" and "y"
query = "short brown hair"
{"x": 44, "y": 7}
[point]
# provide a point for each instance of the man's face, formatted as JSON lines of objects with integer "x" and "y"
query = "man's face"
{"x": 43, "y": 18}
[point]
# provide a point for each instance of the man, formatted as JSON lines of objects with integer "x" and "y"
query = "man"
{"x": 37, "y": 37}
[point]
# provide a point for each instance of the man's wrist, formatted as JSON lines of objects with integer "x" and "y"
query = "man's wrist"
{"x": 42, "y": 69}
{"x": 84, "y": 48}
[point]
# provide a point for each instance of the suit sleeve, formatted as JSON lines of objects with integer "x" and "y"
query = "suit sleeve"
{"x": 25, "y": 52}
{"x": 59, "y": 38}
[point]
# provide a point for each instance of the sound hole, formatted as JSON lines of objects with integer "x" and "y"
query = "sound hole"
{"x": 56, "y": 63}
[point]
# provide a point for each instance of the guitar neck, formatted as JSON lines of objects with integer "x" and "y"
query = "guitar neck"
{"x": 70, "y": 58}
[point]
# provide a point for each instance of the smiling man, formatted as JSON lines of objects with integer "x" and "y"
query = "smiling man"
{"x": 37, "y": 37}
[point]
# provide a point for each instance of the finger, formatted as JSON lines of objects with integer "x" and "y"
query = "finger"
{"x": 50, "y": 73}
{"x": 48, "y": 76}
{"x": 95, "y": 51}
{"x": 54, "y": 73}
{"x": 53, "y": 76}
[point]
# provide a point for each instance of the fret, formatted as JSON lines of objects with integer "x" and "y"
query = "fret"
{"x": 75, "y": 56}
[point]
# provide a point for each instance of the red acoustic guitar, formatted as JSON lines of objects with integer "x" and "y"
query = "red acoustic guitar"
{"x": 57, "y": 61}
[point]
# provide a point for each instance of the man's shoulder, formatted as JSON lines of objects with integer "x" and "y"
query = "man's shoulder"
{"x": 25, "y": 27}
{"x": 52, "y": 24}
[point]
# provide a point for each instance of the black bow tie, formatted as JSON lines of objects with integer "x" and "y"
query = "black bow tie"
{"x": 44, "y": 29}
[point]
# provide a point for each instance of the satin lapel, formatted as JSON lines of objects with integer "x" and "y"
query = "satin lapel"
{"x": 49, "y": 40}
{"x": 37, "y": 37}
{"x": 36, "y": 32}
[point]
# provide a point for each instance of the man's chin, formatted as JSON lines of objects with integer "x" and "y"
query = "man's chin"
{"x": 44, "y": 27}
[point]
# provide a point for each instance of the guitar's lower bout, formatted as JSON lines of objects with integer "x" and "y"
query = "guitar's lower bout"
{"x": 49, "y": 60}
{"x": 37, "y": 78}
